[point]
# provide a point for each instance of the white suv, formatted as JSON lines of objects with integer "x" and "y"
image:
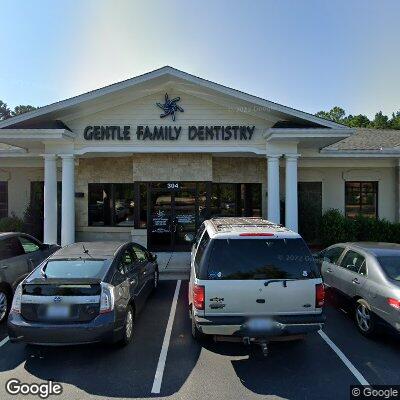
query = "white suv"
{"x": 253, "y": 280}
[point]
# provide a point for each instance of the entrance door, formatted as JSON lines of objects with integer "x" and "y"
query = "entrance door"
{"x": 172, "y": 217}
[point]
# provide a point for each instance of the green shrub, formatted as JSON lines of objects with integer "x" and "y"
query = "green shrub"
{"x": 334, "y": 227}
{"x": 11, "y": 224}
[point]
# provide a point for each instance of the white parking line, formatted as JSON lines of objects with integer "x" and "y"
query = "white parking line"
{"x": 167, "y": 337}
{"x": 4, "y": 341}
{"x": 345, "y": 360}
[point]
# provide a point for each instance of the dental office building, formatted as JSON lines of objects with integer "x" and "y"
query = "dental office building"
{"x": 151, "y": 157}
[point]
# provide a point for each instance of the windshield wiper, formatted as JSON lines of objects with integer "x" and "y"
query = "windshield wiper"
{"x": 284, "y": 281}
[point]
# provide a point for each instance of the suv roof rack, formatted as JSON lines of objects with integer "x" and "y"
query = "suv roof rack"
{"x": 230, "y": 223}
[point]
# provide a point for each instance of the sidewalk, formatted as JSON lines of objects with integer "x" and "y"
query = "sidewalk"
{"x": 174, "y": 265}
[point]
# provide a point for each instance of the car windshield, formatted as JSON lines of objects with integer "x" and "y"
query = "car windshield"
{"x": 391, "y": 266}
{"x": 79, "y": 268}
{"x": 261, "y": 259}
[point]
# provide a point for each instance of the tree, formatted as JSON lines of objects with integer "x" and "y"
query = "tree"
{"x": 22, "y": 109}
{"x": 394, "y": 122}
{"x": 336, "y": 114}
{"x": 5, "y": 112}
{"x": 380, "y": 121}
{"x": 357, "y": 121}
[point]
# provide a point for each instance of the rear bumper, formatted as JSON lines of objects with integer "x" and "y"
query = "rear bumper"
{"x": 287, "y": 325}
{"x": 100, "y": 329}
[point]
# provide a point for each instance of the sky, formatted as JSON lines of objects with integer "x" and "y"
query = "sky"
{"x": 306, "y": 54}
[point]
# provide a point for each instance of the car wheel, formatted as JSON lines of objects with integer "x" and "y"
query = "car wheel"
{"x": 365, "y": 319}
{"x": 196, "y": 333}
{"x": 128, "y": 327}
{"x": 5, "y": 304}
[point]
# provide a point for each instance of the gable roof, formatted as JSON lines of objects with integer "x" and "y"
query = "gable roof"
{"x": 175, "y": 73}
{"x": 365, "y": 139}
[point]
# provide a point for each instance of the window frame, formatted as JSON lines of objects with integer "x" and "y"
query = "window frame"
{"x": 348, "y": 250}
{"x": 360, "y": 205}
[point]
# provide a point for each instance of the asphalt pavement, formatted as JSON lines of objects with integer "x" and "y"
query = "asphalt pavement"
{"x": 310, "y": 369}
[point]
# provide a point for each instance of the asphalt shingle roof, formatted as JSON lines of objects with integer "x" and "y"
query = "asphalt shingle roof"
{"x": 368, "y": 139}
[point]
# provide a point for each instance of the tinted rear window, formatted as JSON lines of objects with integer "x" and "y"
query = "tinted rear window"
{"x": 391, "y": 266}
{"x": 261, "y": 259}
{"x": 76, "y": 268}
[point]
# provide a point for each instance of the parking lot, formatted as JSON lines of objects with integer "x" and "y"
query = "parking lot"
{"x": 304, "y": 370}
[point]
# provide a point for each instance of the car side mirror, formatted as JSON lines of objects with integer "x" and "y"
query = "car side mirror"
{"x": 45, "y": 246}
{"x": 153, "y": 257}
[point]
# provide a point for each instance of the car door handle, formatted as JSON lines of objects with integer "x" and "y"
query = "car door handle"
{"x": 328, "y": 270}
{"x": 356, "y": 281}
{"x": 4, "y": 267}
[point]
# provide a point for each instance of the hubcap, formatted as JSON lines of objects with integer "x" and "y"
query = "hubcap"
{"x": 3, "y": 305}
{"x": 363, "y": 317}
{"x": 129, "y": 325}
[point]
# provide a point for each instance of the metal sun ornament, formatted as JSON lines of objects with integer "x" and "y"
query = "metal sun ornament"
{"x": 170, "y": 107}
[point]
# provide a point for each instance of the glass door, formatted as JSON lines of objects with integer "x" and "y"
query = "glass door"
{"x": 184, "y": 218}
{"x": 160, "y": 220}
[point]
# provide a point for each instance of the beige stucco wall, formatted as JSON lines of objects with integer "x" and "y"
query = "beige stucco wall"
{"x": 19, "y": 186}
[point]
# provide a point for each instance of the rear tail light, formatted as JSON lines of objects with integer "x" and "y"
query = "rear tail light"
{"x": 256, "y": 234}
{"x": 198, "y": 297}
{"x": 17, "y": 300}
{"x": 106, "y": 298}
{"x": 319, "y": 295}
{"x": 394, "y": 303}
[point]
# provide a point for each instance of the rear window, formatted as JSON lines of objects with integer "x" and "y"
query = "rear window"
{"x": 261, "y": 259}
{"x": 391, "y": 266}
{"x": 75, "y": 268}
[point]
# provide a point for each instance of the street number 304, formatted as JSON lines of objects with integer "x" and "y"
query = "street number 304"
{"x": 172, "y": 185}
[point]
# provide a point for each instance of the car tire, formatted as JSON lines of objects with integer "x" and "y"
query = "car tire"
{"x": 364, "y": 318}
{"x": 128, "y": 328}
{"x": 5, "y": 303}
{"x": 196, "y": 333}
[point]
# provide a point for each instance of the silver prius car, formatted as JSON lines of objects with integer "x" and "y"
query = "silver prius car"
{"x": 84, "y": 293}
{"x": 368, "y": 274}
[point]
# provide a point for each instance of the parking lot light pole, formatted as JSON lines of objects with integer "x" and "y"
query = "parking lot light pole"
{"x": 68, "y": 200}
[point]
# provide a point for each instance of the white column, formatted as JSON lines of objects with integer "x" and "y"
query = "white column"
{"x": 291, "y": 206}
{"x": 50, "y": 199}
{"x": 273, "y": 188}
{"x": 68, "y": 200}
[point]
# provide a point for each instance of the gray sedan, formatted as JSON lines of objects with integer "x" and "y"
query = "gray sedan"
{"x": 19, "y": 255}
{"x": 369, "y": 275}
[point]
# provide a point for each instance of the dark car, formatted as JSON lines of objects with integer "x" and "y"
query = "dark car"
{"x": 19, "y": 255}
{"x": 84, "y": 293}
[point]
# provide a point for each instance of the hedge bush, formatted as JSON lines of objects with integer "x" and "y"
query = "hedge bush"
{"x": 335, "y": 227}
{"x": 11, "y": 224}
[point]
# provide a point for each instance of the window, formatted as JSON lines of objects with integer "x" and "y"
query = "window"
{"x": 391, "y": 266}
{"x": 140, "y": 252}
{"x": 361, "y": 198}
{"x": 126, "y": 262}
{"x": 124, "y": 204}
{"x": 223, "y": 199}
{"x": 310, "y": 209}
{"x": 80, "y": 268}
{"x": 142, "y": 205}
{"x": 111, "y": 204}
{"x": 250, "y": 199}
{"x": 201, "y": 248}
{"x": 29, "y": 245}
{"x": 352, "y": 261}
{"x": 333, "y": 254}
{"x": 249, "y": 259}
{"x": 3, "y": 199}
{"x": 10, "y": 247}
